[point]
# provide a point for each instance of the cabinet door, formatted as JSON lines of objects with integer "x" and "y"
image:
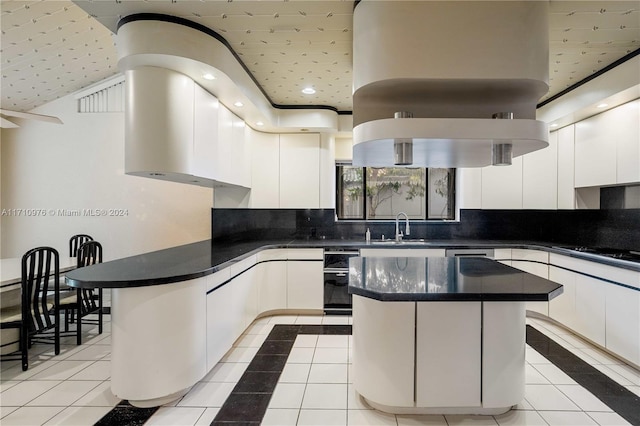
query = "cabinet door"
{"x": 221, "y": 320}
{"x": 540, "y": 177}
{"x": 534, "y": 262}
{"x": 627, "y": 124}
{"x": 566, "y": 152}
{"x": 595, "y": 152}
{"x": 265, "y": 169}
{"x": 623, "y": 322}
{"x": 299, "y": 171}
{"x": 205, "y": 137}
{"x": 305, "y": 284}
{"x": 590, "y": 308}
{"x": 271, "y": 278}
{"x": 502, "y": 186}
{"x": 563, "y": 308}
{"x": 448, "y": 364}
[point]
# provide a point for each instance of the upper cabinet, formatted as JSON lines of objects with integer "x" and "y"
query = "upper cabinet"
{"x": 607, "y": 147}
{"x": 502, "y": 186}
{"x": 177, "y": 131}
{"x": 566, "y": 186}
{"x": 300, "y": 170}
{"x": 628, "y": 142}
{"x": 285, "y": 170}
{"x": 540, "y": 177}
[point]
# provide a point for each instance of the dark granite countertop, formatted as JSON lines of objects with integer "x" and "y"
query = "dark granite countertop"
{"x": 199, "y": 259}
{"x": 402, "y": 279}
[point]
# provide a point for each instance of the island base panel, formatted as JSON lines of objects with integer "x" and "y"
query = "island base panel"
{"x": 480, "y": 411}
{"x": 383, "y": 350}
{"x": 158, "y": 341}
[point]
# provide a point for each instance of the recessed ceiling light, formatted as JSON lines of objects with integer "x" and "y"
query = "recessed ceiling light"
{"x": 308, "y": 90}
{"x": 209, "y": 76}
{"x": 259, "y": 123}
{"x": 553, "y": 125}
{"x": 603, "y": 105}
{"x": 239, "y": 104}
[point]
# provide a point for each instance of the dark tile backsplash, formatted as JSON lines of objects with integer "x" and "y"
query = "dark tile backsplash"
{"x": 593, "y": 228}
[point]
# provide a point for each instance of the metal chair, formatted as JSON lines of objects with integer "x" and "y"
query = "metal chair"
{"x": 69, "y": 297}
{"x": 37, "y": 317}
{"x": 76, "y": 241}
{"x": 89, "y": 253}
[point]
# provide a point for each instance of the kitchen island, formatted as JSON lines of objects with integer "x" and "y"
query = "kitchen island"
{"x": 441, "y": 335}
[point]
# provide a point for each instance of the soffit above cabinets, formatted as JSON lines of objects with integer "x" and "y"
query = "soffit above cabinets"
{"x": 53, "y": 48}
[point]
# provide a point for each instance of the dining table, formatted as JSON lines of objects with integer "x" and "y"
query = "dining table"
{"x": 10, "y": 293}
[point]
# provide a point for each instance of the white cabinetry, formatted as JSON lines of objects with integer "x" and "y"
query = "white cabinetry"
{"x": 590, "y": 308}
{"x": 502, "y": 186}
{"x": 595, "y": 156}
{"x": 271, "y": 280}
{"x": 305, "y": 279}
{"x": 540, "y": 177}
{"x": 563, "y": 307}
{"x": 566, "y": 169}
{"x": 534, "y": 262}
{"x": 205, "y": 129}
{"x": 607, "y": 147}
{"x": 232, "y": 161}
{"x": 299, "y": 171}
{"x": 265, "y": 165}
{"x": 623, "y": 322}
{"x": 220, "y": 317}
{"x": 455, "y": 379}
{"x": 627, "y": 136}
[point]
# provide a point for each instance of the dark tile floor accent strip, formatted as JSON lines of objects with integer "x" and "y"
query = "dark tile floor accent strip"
{"x": 126, "y": 414}
{"x": 249, "y": 399}
{"x": 615, "y": 396}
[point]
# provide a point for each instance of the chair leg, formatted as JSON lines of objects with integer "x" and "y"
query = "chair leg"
{"x": 56, "y": 335}
{"x": 100, "y": 311}
{"x": 24, "y": 339}
{"x": 66, "y": 320}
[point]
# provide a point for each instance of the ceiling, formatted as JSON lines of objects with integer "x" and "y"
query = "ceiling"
{"x": 52, "y": 48}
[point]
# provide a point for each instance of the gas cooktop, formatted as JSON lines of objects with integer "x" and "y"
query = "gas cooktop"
{"x": 629, "y": 255}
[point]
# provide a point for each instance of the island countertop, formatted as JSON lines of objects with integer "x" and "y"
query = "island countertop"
{"x": 445, "y": 279}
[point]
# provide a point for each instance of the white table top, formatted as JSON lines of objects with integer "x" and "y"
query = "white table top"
{"x": 11, "y": 273}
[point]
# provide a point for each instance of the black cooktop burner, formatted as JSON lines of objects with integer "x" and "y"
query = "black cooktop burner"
{"x": 630, "y": 255}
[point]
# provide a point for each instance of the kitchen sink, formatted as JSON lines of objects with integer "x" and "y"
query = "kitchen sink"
{"x": 403, "y": 242}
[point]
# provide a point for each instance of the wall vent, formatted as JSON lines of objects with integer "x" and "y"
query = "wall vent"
{"x": 108, "y": 97}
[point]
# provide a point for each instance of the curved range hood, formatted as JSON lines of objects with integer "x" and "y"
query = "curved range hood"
{"x": 455, "y": 66}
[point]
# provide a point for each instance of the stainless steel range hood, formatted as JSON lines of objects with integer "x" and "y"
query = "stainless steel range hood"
{"x": 453, "y": 65}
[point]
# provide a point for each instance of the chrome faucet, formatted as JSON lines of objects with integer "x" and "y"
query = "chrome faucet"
{"x": 399, "y": 234}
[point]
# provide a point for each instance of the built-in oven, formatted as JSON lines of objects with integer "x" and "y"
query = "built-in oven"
{"x": 337, "y": 300}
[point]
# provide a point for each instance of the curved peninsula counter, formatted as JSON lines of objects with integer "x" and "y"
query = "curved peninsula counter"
{"x": 176, "y": 312}
{"x": 441, "y": 335}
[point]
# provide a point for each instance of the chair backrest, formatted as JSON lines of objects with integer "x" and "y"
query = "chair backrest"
{"x": 76, "y": 241}
{"x": 89, "y": 254}
{"x": 40, "y": 268}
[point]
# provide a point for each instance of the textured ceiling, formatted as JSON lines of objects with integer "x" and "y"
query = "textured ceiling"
{"x": 51, "y": 48}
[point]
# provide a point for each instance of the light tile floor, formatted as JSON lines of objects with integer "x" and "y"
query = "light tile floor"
{"x": 315, "y": 387}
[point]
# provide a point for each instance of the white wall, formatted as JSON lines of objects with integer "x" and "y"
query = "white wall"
{"x": 80, "y": 165}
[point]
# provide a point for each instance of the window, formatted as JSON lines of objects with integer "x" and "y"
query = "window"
{"x": 383, "y": 192}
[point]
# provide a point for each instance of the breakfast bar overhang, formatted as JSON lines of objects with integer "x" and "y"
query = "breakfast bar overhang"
{"x": 441, "y": 335}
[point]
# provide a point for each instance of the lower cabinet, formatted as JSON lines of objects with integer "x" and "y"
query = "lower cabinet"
{"x": 305, "y": 284}
{"x": 453, "y": 381}
{"x": 562, "y": 308}
{"x": 271, "y": 280}
{"x": 220, "y": 318}
{"x": 534, "y": 262}
{"x": 623, "y": 322}
{"x": 590, "y": 308}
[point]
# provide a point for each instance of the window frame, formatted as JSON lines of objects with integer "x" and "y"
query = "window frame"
{"x": 363, "y": 203}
